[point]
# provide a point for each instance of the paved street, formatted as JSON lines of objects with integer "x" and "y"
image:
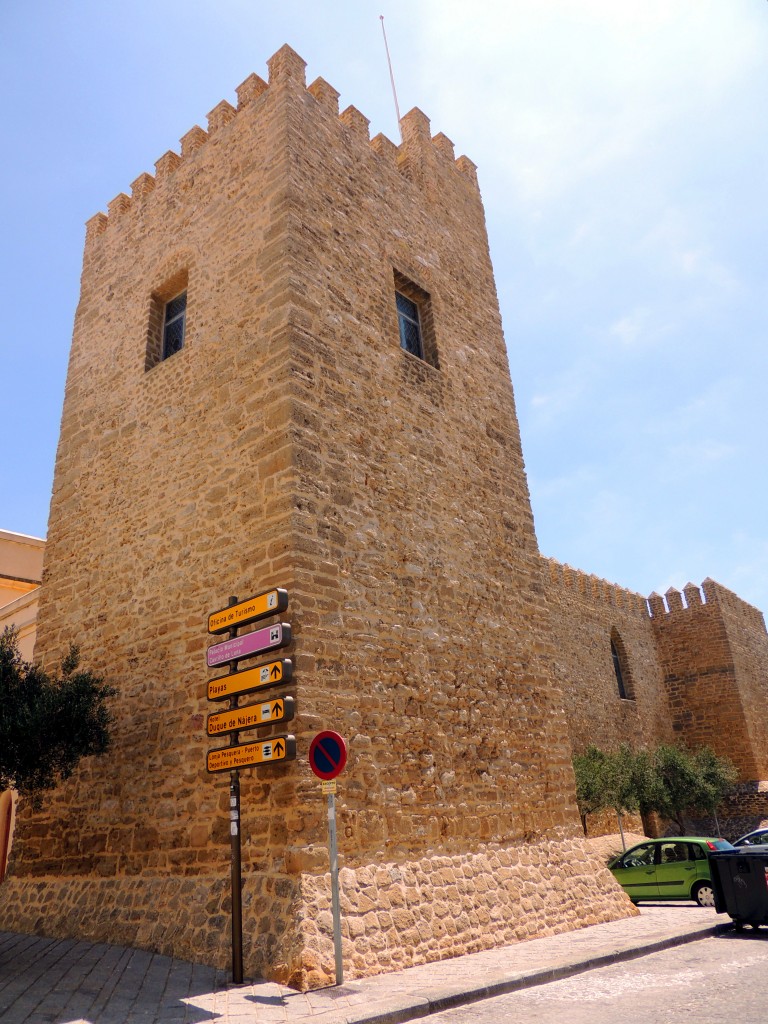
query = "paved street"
{"x": 710, "y": 981}
{"x": 49, "y": 981}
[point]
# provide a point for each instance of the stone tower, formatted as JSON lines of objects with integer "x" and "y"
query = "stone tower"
{"x": 334, "y": 417}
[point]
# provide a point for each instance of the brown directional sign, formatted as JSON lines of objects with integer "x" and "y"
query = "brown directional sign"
{"x": 272, "y": 674}
{"x": 248, "y": 755}
{"x": 251, "y": 716}
{"x": 271, "y": 602}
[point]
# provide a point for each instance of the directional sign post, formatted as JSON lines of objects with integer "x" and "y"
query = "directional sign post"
{"x": 327, "y": 757}
{"x": 252, "y": 716}
{"x": 236, "y": 873}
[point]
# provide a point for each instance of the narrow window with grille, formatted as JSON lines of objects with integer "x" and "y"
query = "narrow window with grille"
{"x": 410, "y": 328}
{"x": 174, "y": 325}
{"x": 167, "y": 319}
{"x": 621, "y": 667}
{"x": 415, "y": 321}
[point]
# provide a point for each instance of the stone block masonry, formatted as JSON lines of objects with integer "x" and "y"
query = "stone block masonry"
{"x": 291, "y": 441}
{"x": 693, "y": 673}
{"x": 715, "y": 651}
{"x": 588, "y": 615}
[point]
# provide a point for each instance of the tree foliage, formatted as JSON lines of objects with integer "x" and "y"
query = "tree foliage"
{"x": 605, "y": 780}
{"x": 47, "y": 724}
{"x": 669, "y": 780}
{"x": 688, "y": 781}
{"x": 589, "y": 770}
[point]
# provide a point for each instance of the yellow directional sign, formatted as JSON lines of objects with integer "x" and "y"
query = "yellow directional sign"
{"x": 252, "y": 679}
{"x": 247, "y": 755}
{"x": 269, "y": 603}
{"x": 278, "y": 709}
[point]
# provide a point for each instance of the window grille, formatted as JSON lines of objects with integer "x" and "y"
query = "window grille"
{"x": 174, "y": 325}
{"x": 415, "y": 320}
{"x": 410, "y": 325}
{"x": 623, "y": 676}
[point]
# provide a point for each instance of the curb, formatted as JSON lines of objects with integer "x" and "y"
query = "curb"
{"x": 425, "y": 1006}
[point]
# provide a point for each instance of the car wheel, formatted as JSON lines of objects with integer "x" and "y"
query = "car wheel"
{"x": 704, "y": 894}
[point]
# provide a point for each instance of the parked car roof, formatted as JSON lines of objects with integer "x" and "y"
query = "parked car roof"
{"x": 758, "y": 837}
{"x": 712, "y": 842}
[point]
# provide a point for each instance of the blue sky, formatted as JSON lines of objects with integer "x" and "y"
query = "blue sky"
{"x": 623, "y": 159}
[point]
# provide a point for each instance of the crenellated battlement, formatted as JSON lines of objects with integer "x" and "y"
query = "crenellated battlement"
{"x": 593, "y": 588}
{"x": 674, "y": 602}
{"x": 415, "y": 158}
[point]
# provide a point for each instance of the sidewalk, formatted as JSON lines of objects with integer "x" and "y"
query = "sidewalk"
{"x": 57, "y": 981}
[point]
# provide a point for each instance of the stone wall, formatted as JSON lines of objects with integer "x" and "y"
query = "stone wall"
{"x": 181, "y": 916}
{"x": 693, "y": 668}
{"x": 587, "y": 613}
{"x": 714, "y": 653}
{"x": 398, "y": 914}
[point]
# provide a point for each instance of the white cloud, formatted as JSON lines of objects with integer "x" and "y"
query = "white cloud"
{"x": 561, "y": 487}
{"x": 749, "y": 570}
{"x": 569, "y": 88}
{"x": 696, "y": 457}
{"x": 563, "y": 395}
{"x": 638, "y": 329}
{"x": 708, "y": 411}
{"x": 675, "y": 243}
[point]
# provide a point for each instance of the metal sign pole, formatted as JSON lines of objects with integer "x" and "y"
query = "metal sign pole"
{"x": 327, "y": 758}
{"x": 334, "y": 857}
{"x": 237, "y": 880}
{"x": 234, "y": 833}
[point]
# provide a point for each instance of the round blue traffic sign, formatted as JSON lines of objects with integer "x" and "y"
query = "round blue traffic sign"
{"x": 327, "y": 754}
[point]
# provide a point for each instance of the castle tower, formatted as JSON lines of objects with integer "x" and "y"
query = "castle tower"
{"x": 713, "y": 649}
{"x": 288, "y": 370}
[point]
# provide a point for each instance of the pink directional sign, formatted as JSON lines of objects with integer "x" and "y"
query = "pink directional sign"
{"x": 266, "y": 639}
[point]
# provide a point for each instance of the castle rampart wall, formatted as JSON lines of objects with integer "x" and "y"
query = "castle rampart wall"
{"x": 586, "y": 614}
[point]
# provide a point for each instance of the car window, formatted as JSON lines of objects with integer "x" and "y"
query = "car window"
{"x": 698, "y": 852}
{"x": 641, "y": 856}
{"x": 673, "y": 852}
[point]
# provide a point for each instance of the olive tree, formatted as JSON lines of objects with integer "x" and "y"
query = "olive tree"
{"x": 667, "y": 779}
{"x": 47, "y": 723}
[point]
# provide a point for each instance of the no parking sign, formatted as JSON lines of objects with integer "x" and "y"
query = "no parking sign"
{"x": 327, "y": 754}
{"x": 327, "y": 757}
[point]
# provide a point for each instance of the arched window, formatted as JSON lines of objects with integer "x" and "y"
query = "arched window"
{"x": 620, "y": 667}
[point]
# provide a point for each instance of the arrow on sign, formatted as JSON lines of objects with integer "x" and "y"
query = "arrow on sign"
{"x": 275, "y": 673}
{"x": 252, "y": 716}
{"x": 247, "y": 755}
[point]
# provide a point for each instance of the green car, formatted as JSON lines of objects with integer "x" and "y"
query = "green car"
{"x": 675, "y": 868}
